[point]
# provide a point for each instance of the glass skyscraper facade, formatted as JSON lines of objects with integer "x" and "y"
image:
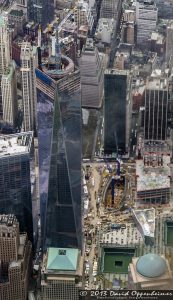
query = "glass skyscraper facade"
{"x": 156, "y": 110}
{"x": 116, "y": 105}
{"x": 40, "y": 11}
{"x": 45, "y": 106}
{"x": 15, "y": 181}
{"x": 59, "y": 137}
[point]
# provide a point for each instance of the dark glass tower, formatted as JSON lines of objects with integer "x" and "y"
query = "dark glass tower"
{"x": 59, "y": 135}
{"x": 15, "y": 180}
{"x": 156, "y": 109}
{"x": 40, "y": 11}
{"x": 63, "y": 214}
{"x": 117, "y": 109}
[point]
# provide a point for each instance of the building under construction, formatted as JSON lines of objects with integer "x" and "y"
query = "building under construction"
{"x": 57, "y": 69}
{"x": 153, "y": 178}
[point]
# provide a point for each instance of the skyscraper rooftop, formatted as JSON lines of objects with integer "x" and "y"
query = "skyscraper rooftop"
{"x": 62, "y": 259}
{"x": 150, "y": 178}
{"x": 8, "y": 220}
{"x": 15, "y": 144}
{"x": 57, "y": 70}
{"x": 2, "y": 20}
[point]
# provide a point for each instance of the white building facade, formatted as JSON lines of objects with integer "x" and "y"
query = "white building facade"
{"x": 82, "y": 15}
{"x": 4, "y": 51}
{"x": 105, "y": 29}
{"x": 4, "y": 45}
{"x": 28, "y": 65}
{"x": 92, "y": 76}
{"x": 169, "y": 42}
{"x": 9, "y": 95}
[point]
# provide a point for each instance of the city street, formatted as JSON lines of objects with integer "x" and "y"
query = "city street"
{"x": 94, "y": 220}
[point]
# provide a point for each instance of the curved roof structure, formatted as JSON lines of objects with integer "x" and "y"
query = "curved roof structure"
{"x": 151, "y": 265}
{"x": 50, "y": 66}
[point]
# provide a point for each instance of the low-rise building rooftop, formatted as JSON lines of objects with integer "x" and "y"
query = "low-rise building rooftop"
{"x": 105, "y": 30}
{"x": 145, "y": 218}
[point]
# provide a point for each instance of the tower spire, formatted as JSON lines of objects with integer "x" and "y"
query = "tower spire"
{"x": 57, "y": 51}
{"x": 39, "y": 47}
{"x": 39, "y": 36}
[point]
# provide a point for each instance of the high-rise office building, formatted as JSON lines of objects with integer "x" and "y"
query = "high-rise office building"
{"x": 15, "y": 257}
{"x": 153, "y": 177}
{"x": 92, "y": 76}
{"x": 82, "y": 15}
{"x": 146, "y": 20}
{"x": 66, "y": 264}
{"x": 156, "y": 108}
{"x": 4, "y": 44}
{"x": 15, "y": 181}
{"x": 59, "y": 142}
{"x": 63, "y": 214}
{"x": 4, "y": 51}
{"x": 128, "y": 33}
{"x": 40, "y": 11}
{"x": 110, "y": 9}
{"x": 9, "y": 95}
{"x": 169, "y": 42}
{"x": 17, "y": 20}
{"x": 165, "y": 9}
{"x": 28, "y": 64}
{"x": 22, "y": 3}
{"x": 117, "y": 111}
{"x": 104, "y": 30}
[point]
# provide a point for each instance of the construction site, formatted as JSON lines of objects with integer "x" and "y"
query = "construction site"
{"x": 115, "y": 192}
{"x": 120, "y": 228}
